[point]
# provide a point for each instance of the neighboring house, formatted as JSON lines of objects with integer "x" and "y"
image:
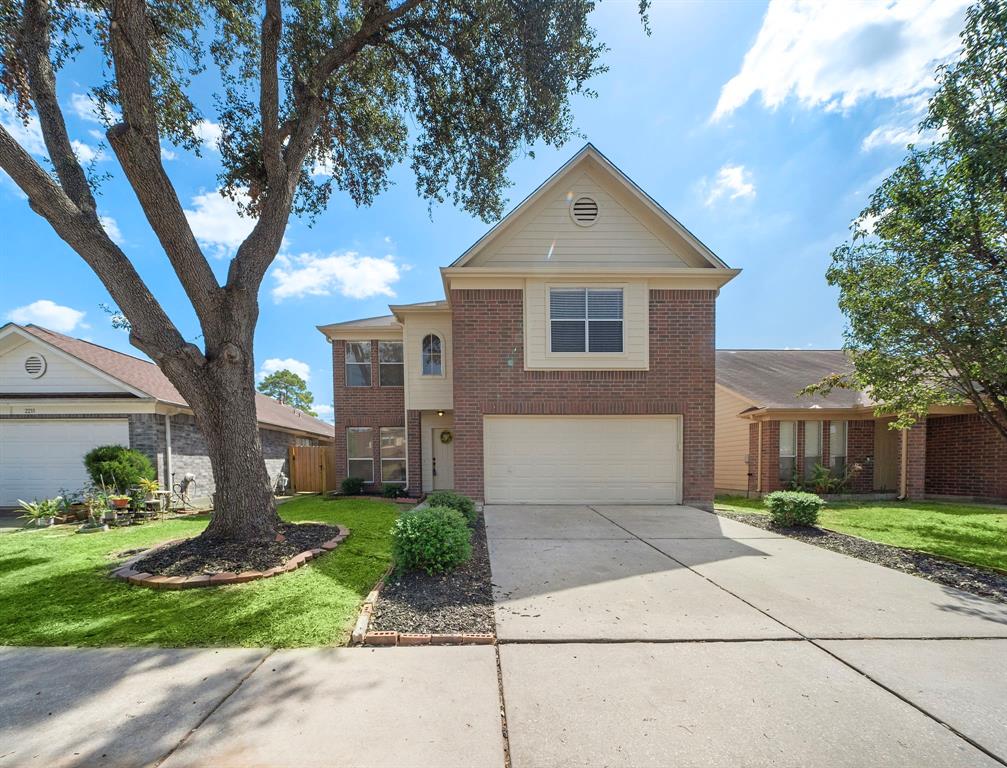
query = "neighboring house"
{"x": 61, "y": 396}
{"x": 571, "y": 361}
{"x": 766, "y": 434}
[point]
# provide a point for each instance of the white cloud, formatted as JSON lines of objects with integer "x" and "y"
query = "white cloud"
{"x": 274, "y": 364}
{"x": 48, "y": 314}
{"x": 85, "y": 152}
{"x": 88, "y": 109}
{"x": 208, "y": 133}
{"x": 217, "y": 224}
{"x": 112, "y": 229}
{"x": 835, "y": 54}
{"x": 28, "y": 136}
{"x": 349, "y": 274}
{"x": 325, "y": 412}
{"x": 167, "y": 154}
{"x": 900, "y": 136}
{"x": 732, "y": 182}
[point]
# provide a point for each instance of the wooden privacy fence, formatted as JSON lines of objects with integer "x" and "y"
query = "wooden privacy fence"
{"x": 311, "y": 468}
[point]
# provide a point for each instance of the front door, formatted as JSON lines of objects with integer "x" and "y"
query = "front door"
{"x": 886, "y": 457}
{"x": 444, "y": 458}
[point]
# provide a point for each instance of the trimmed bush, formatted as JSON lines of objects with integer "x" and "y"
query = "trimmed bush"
{"x": 117, "y": 467}
{"x": 393, "y": 490}
{"x": 454, "y": 501}
{"x": 351, "y": 486}
{"x": 793, "y": 508}
{"x": 431, "y": 539}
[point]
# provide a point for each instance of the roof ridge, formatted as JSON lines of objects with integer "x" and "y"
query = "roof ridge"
{"x": 92, "y": 343}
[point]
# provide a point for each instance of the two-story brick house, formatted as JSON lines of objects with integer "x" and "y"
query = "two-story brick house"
{"x": 572, "y": 359}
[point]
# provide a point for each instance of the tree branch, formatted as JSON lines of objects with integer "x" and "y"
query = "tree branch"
{"x": 36, "y": 44}
{"x": 136, "y": 142}
{"x": 269, "y": 93}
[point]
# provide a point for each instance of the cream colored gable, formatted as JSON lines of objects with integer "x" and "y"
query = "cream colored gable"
{"x": 546, "y": 234}
{"x": 63, "y": 375}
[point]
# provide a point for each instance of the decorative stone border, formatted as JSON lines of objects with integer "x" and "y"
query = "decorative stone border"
{"x": 126, "y": 572}
{"x": 362, "y": 636}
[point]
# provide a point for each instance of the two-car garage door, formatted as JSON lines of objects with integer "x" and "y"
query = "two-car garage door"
{"x": 38, "y": 457}
{"x": 582, "y": 459}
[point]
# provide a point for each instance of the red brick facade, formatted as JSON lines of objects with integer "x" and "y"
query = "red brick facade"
{"x": 489, "y": 378}
{"x": 374, "y": 406}
{"x": 965, "y": 456}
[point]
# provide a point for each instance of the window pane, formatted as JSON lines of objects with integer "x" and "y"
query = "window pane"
{"x": 788, "y": 438}
{"x": 605, "y": 305}
{"x": 837, "y": 438}
{"x": 812, "y": 438}
{"x": 568, "y": 335}
{"x": 432, "y": 355}
{"x": 391, "y": 374}
{"x": 605, "y": 336}
{"x": 787, "y": 466}
{"x": 358, "y": 443}
{"x": 838, "y": 466}
{"x": 358, "y": 352}
{"x": 364, "y": 469}
{"x": 567, "y": 303}
{"x": 389, "y": 351}
{"x": 393, "y": 442}
{"x": 393, "y": 471}
{"x": 358, "y": 375}
{"x": 810, "y": 462}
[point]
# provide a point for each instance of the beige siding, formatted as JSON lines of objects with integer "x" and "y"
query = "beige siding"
{"x": 546, "y": 234}
{"x": 427, "y": 392}
{"x": 582, "y": 459}
{"x": 61, "y": 375}
{"x": 730, "y": 441}
{"x": 636, "y": 336}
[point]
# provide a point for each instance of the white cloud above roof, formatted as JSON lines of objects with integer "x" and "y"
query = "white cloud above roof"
{"x": 274, "y": 364}
{"x": 348, "y": 274}
{"x": 49, "y": 315}
{"x": 732, "y": 182}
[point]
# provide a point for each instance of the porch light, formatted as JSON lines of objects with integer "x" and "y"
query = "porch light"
{"x": 440, "y": 413}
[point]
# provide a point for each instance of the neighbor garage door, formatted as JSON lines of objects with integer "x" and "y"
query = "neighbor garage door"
{"x": 39, "y": 457}
{"x": 582, "y": 459}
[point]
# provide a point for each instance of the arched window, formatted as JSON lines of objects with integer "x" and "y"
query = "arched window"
{"x": 432, "y": 359}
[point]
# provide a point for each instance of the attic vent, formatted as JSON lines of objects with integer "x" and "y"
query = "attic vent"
{"x": 584, "y": 211}
{"x": 34, "y": 366}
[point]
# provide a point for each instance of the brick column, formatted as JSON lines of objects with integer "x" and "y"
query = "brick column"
{"x": 915, "y": 463}
{"x": 414, "y": 460}
{"x": 753, "y": 457}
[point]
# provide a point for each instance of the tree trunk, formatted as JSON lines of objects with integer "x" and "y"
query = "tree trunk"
{"x": 224, "y": 406}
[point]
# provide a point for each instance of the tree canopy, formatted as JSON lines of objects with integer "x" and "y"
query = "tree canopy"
{"x": 923, "y": 281}
{"x": 290, "y": 389}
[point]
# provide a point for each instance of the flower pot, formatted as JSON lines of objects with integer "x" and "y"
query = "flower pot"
{"x": 120, "y": 503}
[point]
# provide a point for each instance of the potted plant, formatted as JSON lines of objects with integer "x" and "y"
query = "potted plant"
{"x": 97, "y": 507}
{"x": 119, "y": 500}
{"x": 149, "y": 489}
{"x": 41, "y": 513}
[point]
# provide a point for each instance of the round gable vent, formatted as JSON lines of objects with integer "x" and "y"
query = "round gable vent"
{"x": 584, "y": 211}
{"x": 34, "y": 366}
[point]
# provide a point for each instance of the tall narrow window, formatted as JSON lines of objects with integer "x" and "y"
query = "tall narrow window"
{"x": 788, "y": 450}
{"x": 812, "y": 447}
{"x": 393, "y": 454}
{"x": 432, "y": 355}
{"x": 358, "y": 363}
{"x": 360, "y": 453}
{"x": 837, "y": 447}
{"x": 390, "y": 364}
{"x": 585, "y": 319}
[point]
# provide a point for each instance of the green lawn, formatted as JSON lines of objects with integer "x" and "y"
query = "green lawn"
{"x": 970, "y": 533}
{"x": 55, "y": 588}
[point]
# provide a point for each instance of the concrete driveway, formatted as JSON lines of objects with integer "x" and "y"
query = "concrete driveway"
{"x": 653, "y": 636}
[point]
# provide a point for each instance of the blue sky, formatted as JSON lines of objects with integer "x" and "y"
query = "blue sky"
{"x": 762, "y": 127}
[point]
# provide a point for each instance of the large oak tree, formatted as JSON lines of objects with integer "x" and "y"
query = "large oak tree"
{"x": 456, "y": 88}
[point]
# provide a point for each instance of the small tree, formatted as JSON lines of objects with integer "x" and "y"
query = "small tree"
{"x": 923, "y": 283}
{"x": 290, "y": 389}
{"x": 349, "y": 89}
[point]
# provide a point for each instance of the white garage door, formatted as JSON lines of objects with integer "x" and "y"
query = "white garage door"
{"x": 582, "y": 459}
{"x": 38, "y": 458}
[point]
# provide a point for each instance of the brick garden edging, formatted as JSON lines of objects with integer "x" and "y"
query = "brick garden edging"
{"x": 126, "y": 572}
{"x": 361, "y": 635}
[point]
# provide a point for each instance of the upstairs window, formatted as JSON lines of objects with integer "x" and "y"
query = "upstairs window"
{"x": 358, "y": 363}
{"x": 432, "y": 356}
{"x": 390, "y": 366}
{"x": 585, "y": 320}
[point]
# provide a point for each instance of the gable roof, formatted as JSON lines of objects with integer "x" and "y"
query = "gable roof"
{"x": 771, "y": 378}
{"x": 590, "y": 155}
{"x": 146, "y": 379}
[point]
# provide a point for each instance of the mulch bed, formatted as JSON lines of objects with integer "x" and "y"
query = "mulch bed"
{"x": 452, "y": 603}
{"x": 968, "y": 578}
{"x": 197, "y": 556}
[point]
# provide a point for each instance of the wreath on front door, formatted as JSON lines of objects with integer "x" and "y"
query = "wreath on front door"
{"x": 446, "y": 436}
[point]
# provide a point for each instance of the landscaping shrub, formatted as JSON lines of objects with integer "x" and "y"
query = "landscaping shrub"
{"x": 454, "y": 501}
{"x": 393, "y": 490}
{"x": 117, "y": 466}
{"x": 351, "y": 486}
{"x": 793, "y": 508}
{"x": 431, "y": 539}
